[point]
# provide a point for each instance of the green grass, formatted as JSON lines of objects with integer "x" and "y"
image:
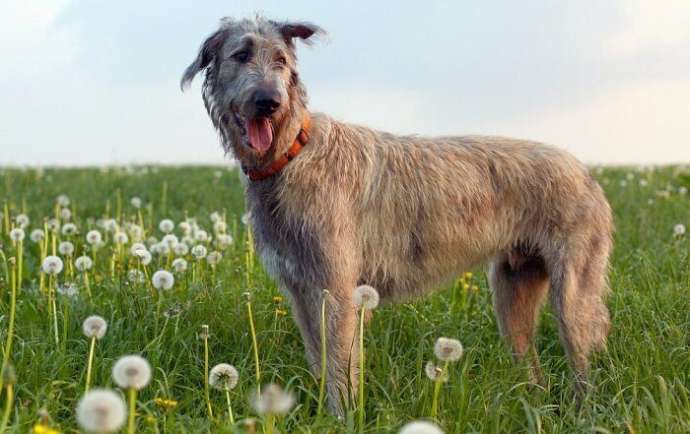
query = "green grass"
{"x": 643, "y": 380}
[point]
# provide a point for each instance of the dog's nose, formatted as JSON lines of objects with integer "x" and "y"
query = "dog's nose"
{"x": 266, "y": 101}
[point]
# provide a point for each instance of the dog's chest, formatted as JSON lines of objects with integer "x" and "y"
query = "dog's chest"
{"x": 290, "y": 248}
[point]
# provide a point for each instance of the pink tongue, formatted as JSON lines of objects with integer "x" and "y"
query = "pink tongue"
{"x": 260, "y": 133}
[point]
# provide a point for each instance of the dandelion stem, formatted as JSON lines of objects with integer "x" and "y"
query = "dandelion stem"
{"x": 437, "y": 390}
{"x": 322, "y": 385}
{"x": 86, "y": 283}
{"x": 361, "y": 369}
{"x": 206, "y": 389}
{"x": 227, "y": 397}
{"x": 10, "y": 327}
{"x": 268, "y": 428}
{"x": 131, "y": 425}
{"x": 20, "y": 263}
{"x": 254, "y": 342}
{"x": 9, "y": 400}
{"x": 90, "y": 363}
{"x": 51, "y": 297}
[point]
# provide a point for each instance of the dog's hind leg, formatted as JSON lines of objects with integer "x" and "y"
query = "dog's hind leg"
{"x": 578, "y": 285}
{"x": 519, "y": 283}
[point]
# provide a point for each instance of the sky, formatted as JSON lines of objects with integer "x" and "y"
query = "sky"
{"x": 96, "y": 82}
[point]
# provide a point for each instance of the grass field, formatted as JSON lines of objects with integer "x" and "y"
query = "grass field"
{"x": 643, "y": 380}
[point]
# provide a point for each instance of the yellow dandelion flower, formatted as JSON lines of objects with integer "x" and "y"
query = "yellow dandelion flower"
{"x": 465, "y": 286}
{"x": 468, "y": 275}
{"x": 41, "y": 428}
{"x": 277, "y": 299}
{"x": 281, "y": 312}
{"x": 165, "y": 404}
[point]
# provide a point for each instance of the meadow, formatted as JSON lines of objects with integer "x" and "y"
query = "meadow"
{"x": 642, "y": 380}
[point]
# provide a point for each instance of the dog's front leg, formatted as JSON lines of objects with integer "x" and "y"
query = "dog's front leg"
{"x": 342, "y": 354}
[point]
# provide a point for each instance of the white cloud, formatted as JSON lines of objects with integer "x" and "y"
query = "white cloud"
{"x": 639, "y": 123}
{"x": 651, "y": 24}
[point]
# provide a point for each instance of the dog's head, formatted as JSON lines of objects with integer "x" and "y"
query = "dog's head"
{"x": 252, "y": 90}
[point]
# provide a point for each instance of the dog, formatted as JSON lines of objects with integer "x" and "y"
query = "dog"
{"x": 335, "y": 205}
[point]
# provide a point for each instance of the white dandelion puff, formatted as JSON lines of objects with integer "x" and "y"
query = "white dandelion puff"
{"x": 120, "y": 237}
{"x": 37, "y": 235}
{"x": 166, "y": 226}
{"x": 135, "y": 276}
{"x": 101, "y": 411}
{"x": 220, "y": 227}
{"x": 135, "y": 202}
{"x": 68, "y": 289}
{"x": 136, "y": 232}
{"x": 22, "y": 220}
{"x": 201, "y": 236}
{"x": 136, "y": 248}
{"x": 53, "y": 225}
{"x": 682, "y": 190}
{"x": 448, "y": 350}
{"x": 69, "y": 229}
{"x": 181, "y": 249}
{"x": 132, "y": 372}
{"x": 63, "y": 200}
{"x": 161, "y": 249}
{"x": 110, "y": 225}
{"x": 185, "y": 227}
{"x": 246, "y": 217}
{"x": 66, "y": 248}
{"x": 83, "y": 263}
{"x": 199, "y": 251}
{"x": 272, "y": 400}
{"x": 163, "y": 279}
{"x": 215, "y": 216}
{"x": 223, "y": 241}
{"x": 679, "y": 230}
{"x": 434, "y": 373}
{"x": 94, "y": 326}
{"x": 52, "y": 265}
{"x": 17, "y": 234}
{"x": 420, "y": 427}
{"x": 214, "y": 258}
{"x": 93, "y": 237}
{"x": 365, "y": 297}
{"x": 65, "y": 214}
{"x": 170, "y": 240}
{"x": 179, "y": 265}
{"x": 223, "y": 376}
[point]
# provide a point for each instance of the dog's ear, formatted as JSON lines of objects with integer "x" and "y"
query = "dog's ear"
{"x": 209, "y": 49}
{"x": 302, "y": 30}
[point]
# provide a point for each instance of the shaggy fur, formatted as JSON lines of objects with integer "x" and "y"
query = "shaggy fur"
{"x": 406, "y": 213}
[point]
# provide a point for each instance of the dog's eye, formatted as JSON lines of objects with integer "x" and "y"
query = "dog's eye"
{"x": 241, "y": 56}
{"x": 282, "y": 61}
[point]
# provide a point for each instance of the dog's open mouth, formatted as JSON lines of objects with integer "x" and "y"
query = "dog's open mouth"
{"x": 257, "y": 132}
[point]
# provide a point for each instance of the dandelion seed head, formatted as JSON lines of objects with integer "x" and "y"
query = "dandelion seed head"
{"x": 448, "y": 350}
{"x": 365, "y": 297}
{"x": 434, "y": 373}
{"x": 185, "y": 227}
{"x": 420, "y": 427}
{"x": 37, "y": 235}
{"x": 68, "y": 289}
{"x": 83, "y": 263}
{"x": 223, "y": 376}
{"x": 136, "y": 232}
{"x": 94, "y": 326}
{"x": 166, "y": 226}
{"x": 179, "y": 265}
{"x": 22, "y": 220}
{"x": 65, "y": 214}
{"x": 214, "y": 258}
{"x": 246, "y": 217}
{"x": 199, "y": 251}
{"x": 682, "y": 190}
{"x": 52, "y": 265}
{"x": 170, "y": 240}
{"x": 53, "y": 224}
{"x": 101, "y": 411}
{"x": 272, "y": 400}
{"x": 223, "y": 241}
{"x": 215, "y": 216}
{"x": 163, "y": 279}
{"x": 181, "y": 249}
{"x": 160, "y": 249}
{"x": 679, "y": 230}
{"x": 220, "y": 227}
{"x": 17, "y": 234}
{"x": 110, "y": 225}
{"x": 132, "y": 372}
{"x": 93, "y": 237}
{"x": 135, "y": 202}
{"x": 136, "y": 248}
{"x": 201, "y": 236}
{"x": 66, "y": 248}
{"x": 120, "y": 237}
{"x": 135, "y": 276}
{"x": 63, "y": 200}
{"x": 69, "y": 229}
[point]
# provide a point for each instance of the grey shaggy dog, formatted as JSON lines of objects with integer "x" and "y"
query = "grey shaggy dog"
{"x": 402, "y": 213}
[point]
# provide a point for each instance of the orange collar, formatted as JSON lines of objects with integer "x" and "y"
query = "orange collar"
{"x": 282, "y": 161}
